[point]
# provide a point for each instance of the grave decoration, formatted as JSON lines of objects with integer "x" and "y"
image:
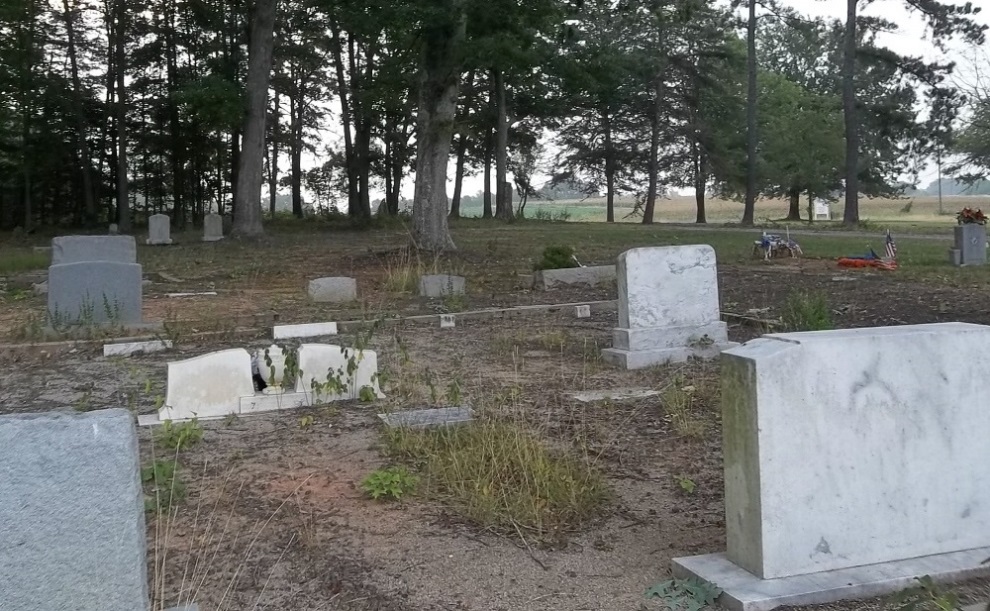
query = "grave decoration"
{"x": 871, "y": 259}
{"x": 772, "y": 246}
{"x": 970, "y": 247}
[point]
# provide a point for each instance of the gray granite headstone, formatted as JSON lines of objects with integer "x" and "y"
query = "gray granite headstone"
{"x": 440, "y": 285}
{"x": 72, "y": 531}
{"x": 159, "y": 229}
{"x": 212, "y": 228}
{"x": 94, "y": 292}
{"x": 971, "y": 242}
{"x": 333, "y": 290}
{"x": 77, "y": 248}
{"x": 426, "y": 418}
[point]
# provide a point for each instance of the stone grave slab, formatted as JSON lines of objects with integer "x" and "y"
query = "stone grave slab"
{"x": 159, "y": 230}
{"x": 207, "y": 386}
{"x": 615, "y": 394}
{"x": 72, "y": 529}
{"x": 441, "y": 285}
{"x": 428, "y": 418}
{"x": 212, "y": 228}
{"x": 971, "y": 244}
{"x": 314, "y": 329}
{"x": 582, "y": 311}
{"x": 448, "y": 321}
{"x": 94, "y": 292}
{"x": 333, "y": 290}
{"x": 320, "y": 363}
{"x": 668, "y": 307}
{"x": 827, "y": 436}
{"x": 592, "y": 276}
{"x": 132, "y": 348}
{"x": 84, "y": 248}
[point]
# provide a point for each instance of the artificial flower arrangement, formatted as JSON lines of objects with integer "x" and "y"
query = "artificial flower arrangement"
{"x": 968, "y": 216}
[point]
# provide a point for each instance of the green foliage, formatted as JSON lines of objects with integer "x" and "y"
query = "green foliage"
{"x": 686, "y": 484}
{"x": 391, "y": 483}
{"x": 500, "y": 475}
{"x": 163, "y": 486}
{"x": 13, "y": 261}
{"x": 807, "y": 311}
{"x": 556, "y": 257}
{"x": 691, "y": 594}
{"x": 927, "y": 596}
{"x": 179, "y": 436}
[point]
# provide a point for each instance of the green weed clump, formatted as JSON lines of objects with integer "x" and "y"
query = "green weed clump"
{"x": 804, "y": 311}
{"x": 500, "y": 475}
{"x": 556, "y": 257}
{"x": 14, "y": 262}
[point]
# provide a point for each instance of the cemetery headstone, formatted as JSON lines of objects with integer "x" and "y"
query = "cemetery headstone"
{"x": 582, "y": 311}
{"x": 94, "y": 292}
{"x": 328, "y": 372}
{"x": 428, "y": 418}
{"x": 590, "y": 276}
{"x": 71, "y": 513}
{"x": 228, "y": 223}
{"x": 159, "y": 230}
{"x": 113, "y": 229}
{"x": 668, "y": 307}
{"x": 863, "y": 499}
{"x": 333, "y": 290}
{"x": 207, "y": 386}
{"x": 212, "y": 228}
{"x": 441, "y": 285}
{"x": 78, "y": 248}
{"x": 970, "y": 244}
{"x": 447, "y": 321}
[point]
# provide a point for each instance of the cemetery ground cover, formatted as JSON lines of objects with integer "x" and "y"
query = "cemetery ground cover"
{"x": 273, "y": 514}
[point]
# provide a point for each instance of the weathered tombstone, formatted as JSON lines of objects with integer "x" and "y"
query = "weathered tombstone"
{"x": 94, "y": 292}
{"x": 582, "y": 311}
{"x": 113, "y": 229}
{"x": 159, "y": 230}
{"x": 428, "y": 418}
{"x": 228, "y": 223}
{"x": 590, "y": 276}
{"x": 78, "y": 248}
{"x": 272, "y": 373}
{"x": 822, "y": 210}
{"x": 207, "y": 386}
{"x": 668, "y": 307}
{"x": 970, "y": 245}
{"x": 855, "y": 461}
{"x": 72, "y": 530}
{"x": 441, "y": 285}
{"x": 212, "y": 228}
{"x": 333, "y": 290}
{"x": 323, "y": 371}
{"x": 447, "y": 321}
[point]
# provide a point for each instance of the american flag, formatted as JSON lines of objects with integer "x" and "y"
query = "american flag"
{"x": 891, "y": 248}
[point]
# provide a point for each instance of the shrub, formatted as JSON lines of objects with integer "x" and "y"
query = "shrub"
{"x": 556, "y": 257}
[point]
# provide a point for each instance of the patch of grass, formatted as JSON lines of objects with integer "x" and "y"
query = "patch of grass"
{"x": 679, "y": 405}
{"x": 23, "y": 261}
{"x": 807, "y": 311}
{"x": 163, "y": 486}
{"x": 179, "y": 436}
{"x": 500, "y": 475}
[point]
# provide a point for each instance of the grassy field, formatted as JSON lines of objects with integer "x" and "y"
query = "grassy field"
{"x": 901, "y": 213}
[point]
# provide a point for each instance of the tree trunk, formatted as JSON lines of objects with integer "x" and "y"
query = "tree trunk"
{"x": 295, "y": 150}
{"x": 123, "y": 202}
{"x": 654, "y": 162}
{"x": 486, "y": 212}
{"x": 609, "y": 168}
{"x": 850, "y": 215}
{"x": 455, "y": 203}
{"x": 273, "y": 164}
{"x": 439, "y": 80}
{"x": 80, "y": 119}
{"x": 247, "y": 211}
{"x": 752, "y": 137}
{"x": 794, "y": 209}
{"x": 700, "y": 183}
{"x": 345, "y": 116}
{"x": 503, "y": 198}
{"x": 175, "y": 126}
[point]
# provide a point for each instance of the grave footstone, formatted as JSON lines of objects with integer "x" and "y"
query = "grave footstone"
{"x": 591, "y": 276}
{"x": 94, "y": 292}
{"x": 888, "y": 480}
{"x": 668, "y": 307}
{"x": 333, "y": 290}
{"x": 582, "y": 311}
{"x": 159, "y": 230}
{"x": 72, "y": 529}
{"x": 212, "y": 228}
{"x": 441, "y": 285}
{"x": 428, "y": 418}
{"x": 79, "y": 248}
{"x": 447, "y": 321}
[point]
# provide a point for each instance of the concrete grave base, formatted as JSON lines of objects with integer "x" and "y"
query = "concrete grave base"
{"x": 641, "y": 359}
{"x": 743, "y": 591}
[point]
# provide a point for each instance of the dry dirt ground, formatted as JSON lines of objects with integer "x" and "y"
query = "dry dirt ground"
{"x": 275, "y": 518}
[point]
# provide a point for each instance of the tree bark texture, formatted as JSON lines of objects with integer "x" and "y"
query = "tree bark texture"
{"x": 850, "y": 215}
{"x": 247, "y": 211}
{"x": 503, "y": 196}
{"x": 752, "y": 137}
{"x": 439, "y": 81}
{"x": 123, "y": 203}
